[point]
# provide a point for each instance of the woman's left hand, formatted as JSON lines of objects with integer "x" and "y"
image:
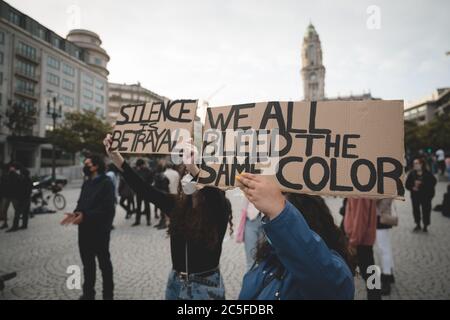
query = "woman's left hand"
{"x": 190, "y": 155}
{"x": 265, "y": 194}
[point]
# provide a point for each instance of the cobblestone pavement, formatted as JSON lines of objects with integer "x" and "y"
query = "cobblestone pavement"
{"x": 141, "y": 256}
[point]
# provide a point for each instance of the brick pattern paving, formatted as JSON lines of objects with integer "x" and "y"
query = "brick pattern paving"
{"x": 141, "y": 257}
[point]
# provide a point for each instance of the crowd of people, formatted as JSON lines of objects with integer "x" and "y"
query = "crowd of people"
{"x": 161, "y": 174}
{"x": 15, "y": 189}
{"x": 293, "y": 248}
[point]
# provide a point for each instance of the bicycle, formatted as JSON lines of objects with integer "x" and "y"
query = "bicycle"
{"x": 59, "y": 201}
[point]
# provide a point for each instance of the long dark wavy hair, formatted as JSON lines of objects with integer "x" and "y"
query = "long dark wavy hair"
{"x": 319, "y": 219}
{"x": 202, "y": 222}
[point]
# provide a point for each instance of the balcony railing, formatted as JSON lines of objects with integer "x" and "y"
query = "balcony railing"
{"x": 32, "y": 76}
{"x": 26, "y": 93}
{"x": 34, "y": 57}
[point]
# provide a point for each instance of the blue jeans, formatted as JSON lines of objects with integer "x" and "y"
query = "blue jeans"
{"x": 252, "y": 234}
{"x": 179, "y": 289}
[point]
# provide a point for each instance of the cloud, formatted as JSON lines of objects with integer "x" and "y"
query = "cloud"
{"x": 190, "y": 48}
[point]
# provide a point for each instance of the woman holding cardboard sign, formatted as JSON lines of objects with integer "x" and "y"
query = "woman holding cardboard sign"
{"x": 198, "y": 223}
{"x": 304, "y": 255}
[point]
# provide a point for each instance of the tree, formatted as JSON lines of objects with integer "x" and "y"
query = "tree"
{"x": 413, "y": 139}
{"x": 80, "y": 132}
{"x": 436, "y": 133}
{"x": 20, "y": 119}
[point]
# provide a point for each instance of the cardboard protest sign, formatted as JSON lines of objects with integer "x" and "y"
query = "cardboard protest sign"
{"x": 346, "y": 148}
{"x": 154, "y": 127}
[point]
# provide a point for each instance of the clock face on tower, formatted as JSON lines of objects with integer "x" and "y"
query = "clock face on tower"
{"x": 313, "y": 77}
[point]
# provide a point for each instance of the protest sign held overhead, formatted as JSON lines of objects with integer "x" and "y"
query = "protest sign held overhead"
{"x": 154, "y": 127}
{"x": 347, "y": 148}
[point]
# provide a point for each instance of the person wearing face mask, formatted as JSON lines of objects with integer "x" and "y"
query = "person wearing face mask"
{"x": 198, "y": 223}
{"x": 421, "y": 184}
{"x": 94, "y": 214}
{"x": 303, "y": 254}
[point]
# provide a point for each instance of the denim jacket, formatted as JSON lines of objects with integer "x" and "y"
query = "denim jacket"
{"x": 312, "y": 271}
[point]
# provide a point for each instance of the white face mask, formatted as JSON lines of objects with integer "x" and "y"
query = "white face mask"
{"x": 188, "y": 185}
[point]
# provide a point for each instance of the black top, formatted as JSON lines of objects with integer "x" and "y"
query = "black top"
{"x": 426, "y": 188}
{"x": 146, "y": 174}
{"x": 11, "y": 185}
{"x": 96, "y": 202}
{"x": 200, "y": 257}
{"x": 26, "y": 188}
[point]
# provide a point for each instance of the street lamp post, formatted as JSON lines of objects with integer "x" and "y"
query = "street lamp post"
{"x": 54, "y": 113}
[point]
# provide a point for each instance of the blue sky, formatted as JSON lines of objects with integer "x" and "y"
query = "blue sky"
{"x": 251, "y": 49}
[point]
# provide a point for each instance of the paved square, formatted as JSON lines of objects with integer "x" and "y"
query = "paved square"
{"x": 141, "y": 256}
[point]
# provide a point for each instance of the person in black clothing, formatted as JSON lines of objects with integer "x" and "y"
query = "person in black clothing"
{"x": 147, "y": 176}
{"x": 446, "y": 203}
{"x": 93, "y": 215}
{"x": 23, "y": 197}
{"x": 126, "y": 198}
{"x": 421, "y": 184}
{"x": 162, "y": 184}
{"x": 198, "y": 223}
{"x": 11, "y": 186}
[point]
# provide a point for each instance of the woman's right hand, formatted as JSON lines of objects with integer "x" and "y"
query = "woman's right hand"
{"x": 115, "y": 156}
{"x": 264, "y": 193}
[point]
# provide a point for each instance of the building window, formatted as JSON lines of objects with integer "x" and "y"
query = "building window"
{"x": 52, "y": 79}
{"x": 68, "y": 101}
{"x": 27, "y": 50}
{"x": 26, "y": 69}
{"x": 126, "y": 96}
{"x": 1, "y": 78}
{"x": 98, "y": 61}
{"x": 56, "y": 42}
{"x": 52, "y": 62}
{"x": 1, "y": 57}
{"x": 26, "y": 104}
{"x": 99, "y": 85}
{"x": 68, "y": 85}
{"x": 69, "y": 70}
{"x": 88, "y": 80}
{"x": 41, "y": 33}
{"x": 14, "y": 17}
{"x": 88, "y": 106}
{"x": 99, "y": 98}
{"x": 24, "y": 86}
{"x": 88, "y": 94}
{"x": 2, "y": 37}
